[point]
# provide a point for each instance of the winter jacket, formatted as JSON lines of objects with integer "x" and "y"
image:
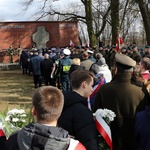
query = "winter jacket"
{"x": 2, "y": 140}
{"x": 92, "y": 59}
{"x": 64, "y": 65}
{"x": 78, "y": 120}
{"x": 106, "y": 73}
{"x": 74, "y": 67}
{"x": 124, "y": 99}
{"x": 86, "y": 63}
{"x": 35, "y": 62}
{"x": 37, "y": 136}
{"x": 142, "y": 129}
{"x": 23, "y": 59}
{"x": 46, "y": 68}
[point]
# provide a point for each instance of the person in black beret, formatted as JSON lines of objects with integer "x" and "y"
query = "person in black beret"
{"x": 147, "y": 51}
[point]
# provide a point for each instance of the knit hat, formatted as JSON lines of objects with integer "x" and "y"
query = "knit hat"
{"x": 95, "y": 69}
{"x": 101, "y": 61}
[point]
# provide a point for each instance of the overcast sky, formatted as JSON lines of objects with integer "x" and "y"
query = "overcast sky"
{"x": 10, "y": 10}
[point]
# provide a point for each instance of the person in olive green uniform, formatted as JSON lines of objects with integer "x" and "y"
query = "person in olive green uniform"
{"x": 147, "y": 51}
{"x": 10, "y": 51}
{"x": 136, "y": 55}
{"x": 124, "y": 98}
{"x": 111, "y": 59}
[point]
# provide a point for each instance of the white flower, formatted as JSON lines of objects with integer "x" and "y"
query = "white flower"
{"x": 2, "y": 125}
{"x": 16, "y": 117}
{"x": 7, "y": 118}
{"x": 23, "y": 115}
{"x": 106, "y": 114}
{"x": 15, "y": 120}
{"x": 23, "y": 120}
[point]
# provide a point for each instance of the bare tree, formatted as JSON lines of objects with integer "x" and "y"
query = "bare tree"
{"x": 85, "y": 16}
{"x": 114, "y": 19}
{"x": 129, "y": 15}
{"x": 145, "y": 11}
{"x": 99, "y": 17}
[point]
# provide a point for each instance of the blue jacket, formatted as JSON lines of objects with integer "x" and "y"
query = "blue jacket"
{"x": 35, "y": 63}
{"x": 142, "y": 129}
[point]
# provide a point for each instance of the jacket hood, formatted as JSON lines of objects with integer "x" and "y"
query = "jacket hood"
{"x": 72, "y": 98}
{"x": 75, "y": 67}
{"x": 103, "y": 68}
{"x": 42, "y": 137}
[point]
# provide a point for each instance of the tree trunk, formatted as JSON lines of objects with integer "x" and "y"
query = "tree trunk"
{"x": 89, "y": 22}
{"x": 146, "y": 18}
{"x": 115, "y": 19}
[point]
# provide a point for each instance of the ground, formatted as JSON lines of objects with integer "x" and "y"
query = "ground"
{"x": 15, "y": 89}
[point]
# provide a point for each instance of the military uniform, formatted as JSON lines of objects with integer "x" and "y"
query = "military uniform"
{"x": 124, "y": 98}
{"x": 64, "y": 67}
{"x": 10, "y": 51}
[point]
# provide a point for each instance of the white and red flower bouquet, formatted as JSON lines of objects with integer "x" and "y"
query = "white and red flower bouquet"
{"x": 103, "y": 118}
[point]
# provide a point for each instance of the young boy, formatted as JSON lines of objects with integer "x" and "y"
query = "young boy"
{"x": 43, "y": 134}
{"x": 76, "y": 117}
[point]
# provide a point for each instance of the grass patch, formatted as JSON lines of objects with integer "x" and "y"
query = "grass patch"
{"x": 15, "y": 89}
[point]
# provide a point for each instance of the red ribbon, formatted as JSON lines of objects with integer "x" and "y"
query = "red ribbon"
{"x": 2, "y": 133}
{"x": 104, "y": 134}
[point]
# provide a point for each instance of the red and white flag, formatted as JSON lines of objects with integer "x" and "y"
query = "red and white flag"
{"x": 119, "y": 42}
{"x": 103, "y": 129}
{"x": 71, "y": 43}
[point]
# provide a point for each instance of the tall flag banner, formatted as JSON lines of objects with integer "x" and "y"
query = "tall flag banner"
{"x": 119, "y": 42}
{"x": 83, "y": 44}
{"x": 71, "y": 43}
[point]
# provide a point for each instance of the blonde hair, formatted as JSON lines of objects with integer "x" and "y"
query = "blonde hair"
{"x": 76, "y": 61}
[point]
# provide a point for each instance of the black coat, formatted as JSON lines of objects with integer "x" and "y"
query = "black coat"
{"x": 46, "y": 68}
{"x": 78, "y": 120}
{"x": 75, "y": 67}
{"x": 24, "y": 59}
{"x": 142, "y": 129}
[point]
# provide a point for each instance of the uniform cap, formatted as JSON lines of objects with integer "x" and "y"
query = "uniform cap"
{"x": 90, "y": 52}
{"x": 66, "y": 51}
{"x": 124, "y": 61}
{"x": 147, "y": 46}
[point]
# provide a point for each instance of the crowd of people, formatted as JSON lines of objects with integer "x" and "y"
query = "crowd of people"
{"x": 71, "y": 83}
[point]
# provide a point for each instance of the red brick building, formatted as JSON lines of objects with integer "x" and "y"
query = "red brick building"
{"x": 41, "y": 33}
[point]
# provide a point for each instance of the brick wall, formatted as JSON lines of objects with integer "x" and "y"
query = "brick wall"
{"x": 16, "y": 33}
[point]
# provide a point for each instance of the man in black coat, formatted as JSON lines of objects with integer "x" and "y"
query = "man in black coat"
{"x": 35, "y": 62}
{"x": 46, "y": 69}
{"x": 24, "y": 61}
